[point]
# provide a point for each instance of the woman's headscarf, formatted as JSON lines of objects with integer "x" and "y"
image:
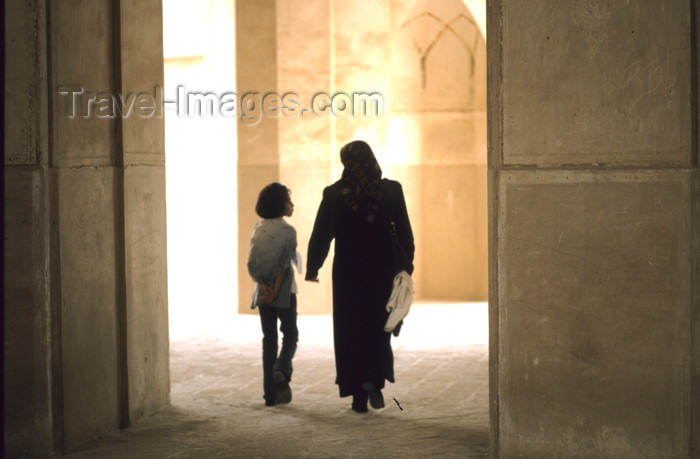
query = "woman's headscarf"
{"x": 361, "y": 177}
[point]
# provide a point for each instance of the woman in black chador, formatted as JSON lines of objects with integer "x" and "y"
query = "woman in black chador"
{"x": 357, "y": 211}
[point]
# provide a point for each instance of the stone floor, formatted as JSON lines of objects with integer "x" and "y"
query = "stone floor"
{"x": 437, "y": 407}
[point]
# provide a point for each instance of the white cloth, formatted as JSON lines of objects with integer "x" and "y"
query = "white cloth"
{"x": 400, "y": 300}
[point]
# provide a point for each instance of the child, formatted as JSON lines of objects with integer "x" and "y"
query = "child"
{"x": 273, "y": 247}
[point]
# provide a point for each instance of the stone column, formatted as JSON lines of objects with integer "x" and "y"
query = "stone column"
{"x": 143, "y": 193}
{"x": 281, "y": 48}
{"x": 27, "y": 378}
{"x": 594, "y": 190}
{"x": 86, "y": 300}
{"x": 87, "y": 287}
{"x": 306, "y": 154}
{"x": 258, "y": 135}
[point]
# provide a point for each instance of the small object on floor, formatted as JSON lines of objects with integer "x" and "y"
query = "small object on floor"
{"x": 397, "y": 404}
{"x": 284, "y": 392}
{"x": 376, "y": 399}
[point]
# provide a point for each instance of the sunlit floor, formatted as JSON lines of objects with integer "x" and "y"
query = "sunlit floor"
{"x": 437, "y": 407}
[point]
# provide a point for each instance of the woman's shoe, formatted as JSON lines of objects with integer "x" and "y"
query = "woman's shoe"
{"x": 376, "y": 399}
{"x": 359, "y": 402}
{"x": 359, "y": 408}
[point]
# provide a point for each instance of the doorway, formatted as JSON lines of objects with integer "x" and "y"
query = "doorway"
{"x": 200, "y": 146}
{"x": 432, "y": 138}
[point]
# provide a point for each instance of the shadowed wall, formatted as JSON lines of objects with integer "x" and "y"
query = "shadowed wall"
{"x": 86, "y": 320}
{"x": 595, "y": 232}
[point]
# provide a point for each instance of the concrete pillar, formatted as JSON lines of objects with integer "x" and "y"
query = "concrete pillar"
{"x": 87, "y": 337}
{"x": 364, "y": 46}
{"x": 283, "y": 47}
{"x": 27, "y": 375}
{"x": 258, "y": 135}
{"x": 27, "y": 326}
{"x": 305, "y": 148}
{"x": 594, "y": 254}
{"x": 143, "y": 194}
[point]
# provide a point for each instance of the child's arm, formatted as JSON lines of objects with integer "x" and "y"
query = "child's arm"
{"x": 270, "y": 293}
{"x": 278, "y": 282}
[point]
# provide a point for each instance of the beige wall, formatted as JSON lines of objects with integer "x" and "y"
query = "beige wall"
{"x": 431, "y": 137}
{"x": 439, "y": 90}
{"x": 594, "y": 224}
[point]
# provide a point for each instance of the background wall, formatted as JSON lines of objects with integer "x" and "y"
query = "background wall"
{"x": 200, "y": 150}
{"x": 439, "y": 118}
{"x": 428, "y": 61}
{"x": 594, "y": 222}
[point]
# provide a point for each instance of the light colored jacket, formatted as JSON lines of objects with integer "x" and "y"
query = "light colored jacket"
{"x": 400, "y": 300}
{"x": 273, "y": 247}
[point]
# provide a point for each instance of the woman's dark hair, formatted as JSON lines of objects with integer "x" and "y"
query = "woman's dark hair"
{"x": 361, "y": 179}
{"x": 272, "y": 200}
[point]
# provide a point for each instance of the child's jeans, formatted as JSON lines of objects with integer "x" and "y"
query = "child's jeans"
{"x": 290, "y": 335}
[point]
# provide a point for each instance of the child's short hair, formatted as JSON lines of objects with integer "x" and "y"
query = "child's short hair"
{"x": 272, "y": 200}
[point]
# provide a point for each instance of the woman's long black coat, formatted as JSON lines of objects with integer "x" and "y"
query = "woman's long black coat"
{"x": 363, "y": 273}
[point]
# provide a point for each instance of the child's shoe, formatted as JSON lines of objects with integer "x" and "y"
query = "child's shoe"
{"x": 284, "y": 392}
